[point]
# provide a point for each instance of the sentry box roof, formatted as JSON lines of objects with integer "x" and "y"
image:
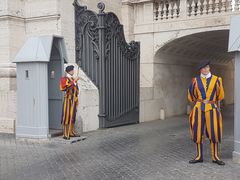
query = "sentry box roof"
{"x": 38, "y": 49}
{"x": 234, "y": 35}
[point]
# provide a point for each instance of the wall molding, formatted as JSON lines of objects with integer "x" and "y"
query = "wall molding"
{"x": 29, "y": 19}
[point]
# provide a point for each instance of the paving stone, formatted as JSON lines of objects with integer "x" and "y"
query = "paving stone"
{"x": 158, "y": 150}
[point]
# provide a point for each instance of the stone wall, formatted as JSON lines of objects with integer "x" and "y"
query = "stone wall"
{"x": 171, "y": 82}
{"x": 227, "y": 74}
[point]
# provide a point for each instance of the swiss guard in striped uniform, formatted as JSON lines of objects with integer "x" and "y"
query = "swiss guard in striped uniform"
{"x": 206, "y": 92}
{"x": 69, "y": 84}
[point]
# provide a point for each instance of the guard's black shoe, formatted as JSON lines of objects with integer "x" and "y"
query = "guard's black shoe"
{"x": 219, "y": 162}
{"x": 67, "y": 138}
{"x": 194, "y": 161}
{"x": 75, "y": 135}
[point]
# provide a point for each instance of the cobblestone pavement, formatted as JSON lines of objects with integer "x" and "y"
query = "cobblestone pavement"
{"x": 156, "y": 150}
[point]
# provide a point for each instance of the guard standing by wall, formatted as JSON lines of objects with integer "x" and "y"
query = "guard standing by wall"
{"x": 206, "y": 92}
{"x": 69, "y": 84}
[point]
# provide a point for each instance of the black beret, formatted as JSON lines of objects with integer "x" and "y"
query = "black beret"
{"x": 202, "y": 64}
{"x": 69, "y": 68}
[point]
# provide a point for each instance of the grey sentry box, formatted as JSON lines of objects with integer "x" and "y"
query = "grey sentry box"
{"x": 40, "y": 64}
{"x": 234, "y": 46}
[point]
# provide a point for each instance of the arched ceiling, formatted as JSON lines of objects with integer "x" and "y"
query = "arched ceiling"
{"x": 193, "y": 48}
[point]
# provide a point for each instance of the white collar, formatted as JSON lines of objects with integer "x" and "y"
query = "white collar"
{"x": 206, "y": 76}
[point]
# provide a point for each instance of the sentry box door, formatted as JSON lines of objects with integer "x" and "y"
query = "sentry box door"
{"x": 55, "y": 97}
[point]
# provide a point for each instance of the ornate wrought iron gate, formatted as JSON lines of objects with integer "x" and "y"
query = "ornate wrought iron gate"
{"x": 111, "y": 63}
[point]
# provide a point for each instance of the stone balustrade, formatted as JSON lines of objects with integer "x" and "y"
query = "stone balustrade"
{"x": 172, "y": 9}
{"x": 166, "y": 9}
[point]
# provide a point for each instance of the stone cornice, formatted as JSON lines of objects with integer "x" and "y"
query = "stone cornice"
{"x": 216, "y": 22}
{"x": 52, "y": 16}
{"x": 11, "y": 17}
{"x": 35, "y": 18}
{"x": 130, "y": 2}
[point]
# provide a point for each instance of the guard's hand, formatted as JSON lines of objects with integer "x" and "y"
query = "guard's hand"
{"x": 219, "y": 106}
{"x": 76, "y": 79}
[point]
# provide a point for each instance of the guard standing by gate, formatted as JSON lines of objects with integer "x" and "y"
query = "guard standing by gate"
{"x": 206, "y": 92}
{"x": 69, "y": 84}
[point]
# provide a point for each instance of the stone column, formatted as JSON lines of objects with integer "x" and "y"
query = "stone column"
{"x": 143, "y": 14}
{"x": 128, "y": 20}
{"x": 12, "y": 34}
{"x": 236, "y": 152}
{"x": 233, "y": 46}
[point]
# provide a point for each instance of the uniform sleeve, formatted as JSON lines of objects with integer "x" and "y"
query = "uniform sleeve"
{"x": 220, "y": 89}
{"x": 65, "y": 84}
{"x": 69, "y": 83}
{"x": 192, "y": 96}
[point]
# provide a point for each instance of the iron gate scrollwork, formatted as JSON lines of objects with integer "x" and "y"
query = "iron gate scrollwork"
{"x": 110, "y": 62}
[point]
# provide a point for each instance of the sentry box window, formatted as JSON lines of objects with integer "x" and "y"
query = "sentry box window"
{"x": 52, "y": 74}
{"x": 26, "y": 74}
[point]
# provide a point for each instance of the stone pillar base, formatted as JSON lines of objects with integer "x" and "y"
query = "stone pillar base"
{"x": 236, "y": 157}
{"x": 7, "y": 125}
{"x": 7, "y": 97}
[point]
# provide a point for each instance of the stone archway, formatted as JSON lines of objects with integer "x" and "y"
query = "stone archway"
{"x": 175, "y": 62}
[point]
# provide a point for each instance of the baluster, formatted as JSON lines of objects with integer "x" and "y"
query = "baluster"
{"x": 166, "y": 9}
{"x": 233, "y": 5}
{"x": 205, "y": 7}
{"x": 210, "y": 10}
{"x": 196, "y": 7}
{"x": 230, "y": 7}
{"x": 217, "y": 6}
{"x": 156, "y": 10}
{"x": 177, "y": 8}
{"x": 161, "y": 5}
{"x": 201, "y": 7}
{"x": 172, "y": 8}
{"x": 189, "y": 6}
{"x": 214, "y": 7}
{"x": 238, "y": 5}
{"x": 221, "y": 6}
{"x": 227, "y": 5}
{"x": 168, "y": 12}
{"x": 224, "y": 5}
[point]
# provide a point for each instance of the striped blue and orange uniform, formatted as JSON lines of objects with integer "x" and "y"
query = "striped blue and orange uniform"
{"x": 205, "y": 93}
{"x": 70, "y": 103}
